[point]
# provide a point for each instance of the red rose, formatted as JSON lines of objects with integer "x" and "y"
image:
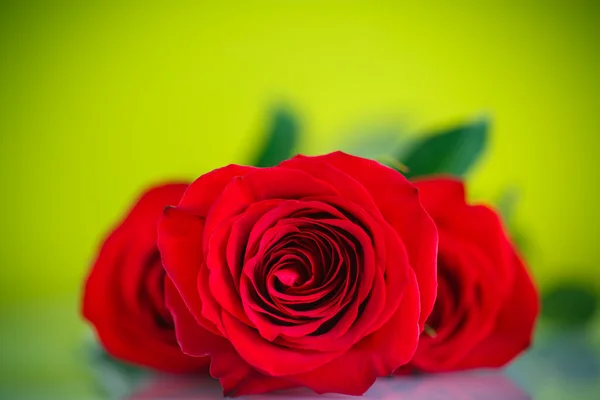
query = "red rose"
{"x": 124, "y": 292}
{"x": 486, "y": 304}
{"x": 319, "y": 272}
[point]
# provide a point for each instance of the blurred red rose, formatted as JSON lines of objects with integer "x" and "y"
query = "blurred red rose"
{"x": 319, "y": 272}
{"x": 124, "y": 292}
{"x": 486, "y": 304}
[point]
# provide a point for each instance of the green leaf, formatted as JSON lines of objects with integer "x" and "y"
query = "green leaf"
{"x": 449, "y": 152}
{"x": 570, "y": 304}
{"x": 280, "y": 140}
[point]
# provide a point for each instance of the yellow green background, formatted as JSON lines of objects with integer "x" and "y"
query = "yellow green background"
{"x": 99, "y": 100}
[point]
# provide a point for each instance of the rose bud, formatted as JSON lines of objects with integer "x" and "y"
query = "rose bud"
{"x": 486, "y": 305}
{"x": 124, "y": 292}
{"x": 319, "y": 272}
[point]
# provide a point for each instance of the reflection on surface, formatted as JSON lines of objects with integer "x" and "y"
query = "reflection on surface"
{"x": 52, "y": 364}
{"x": 490, "y": 386}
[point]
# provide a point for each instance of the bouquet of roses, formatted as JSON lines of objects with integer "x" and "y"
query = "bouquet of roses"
{"x": 323, "y": 272}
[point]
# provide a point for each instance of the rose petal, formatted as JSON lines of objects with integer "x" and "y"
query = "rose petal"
{"x": 202, "y": 193}
{"x": 349, "y": 188}
{"x": 262, "y": 184}
{"x": 240, "y": 231}
{"x": 238, "y": 378}
{"x": 514, "y": 325}
{"x": 399, "y": 203}
{"x": 379, "y": 354}
{"x": 179, "y": 241}
{"x": 192, "y": 337}
{"x": 440, "y": 194}
{"x": 264, "y": 356}
{"x": 477, "y": 305}
{"x": 134, "y": 304}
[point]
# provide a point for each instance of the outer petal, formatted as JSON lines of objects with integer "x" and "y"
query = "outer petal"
{"x": 480, "y": 226}
{"x": 180, "y": 245}
{"x": 193, "y": 339}
{"x": 379, "y": 354}
{"x": 348, "y": 187}
{"x": 125, "y": 268}
{"x": 499, "y": 324}
{"x": 103, "y": 306}
{"x": 236, "y": 376}
{"x": 444, "y": 199}
{"x": 478, "y": 302}
{"x": 399, "y": 203}
{"x": 262, "y": 184}
{"x": 203, "y": 192}
{"x": 440, "y": 194}
{"x": 273, "y": 360}
{"x": 514, "y": 325}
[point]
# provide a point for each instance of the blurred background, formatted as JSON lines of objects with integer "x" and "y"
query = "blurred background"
{"x": 99, "y": 100}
